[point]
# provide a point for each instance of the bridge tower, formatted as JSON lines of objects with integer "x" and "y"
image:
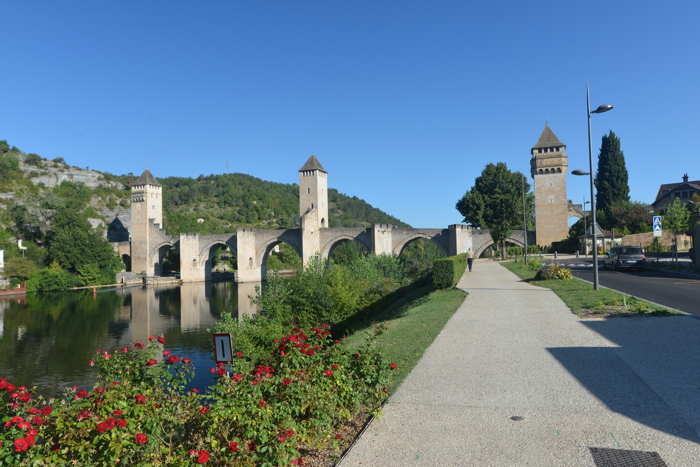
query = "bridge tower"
{"x": 146, "y": 210}
{"x": 313, "y": 191}
{"x": 548, "y": 167}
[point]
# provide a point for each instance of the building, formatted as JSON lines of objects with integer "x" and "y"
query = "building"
{"x": 548, "y": 167}
{"x": 670, "y": 191}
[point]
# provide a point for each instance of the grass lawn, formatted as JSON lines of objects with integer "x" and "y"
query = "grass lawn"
{"x": 409, "y": 326}
{"x": 585, "y": 302}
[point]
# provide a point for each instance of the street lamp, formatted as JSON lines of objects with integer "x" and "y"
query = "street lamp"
{"x": 599, "y": 110}
{"x": 525, "y": 219}
{"x": 585, "y": 233}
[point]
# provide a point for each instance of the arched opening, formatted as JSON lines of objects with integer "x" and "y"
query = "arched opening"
{"x": 222, "y": 262}
{"x": 346, "y": 252}
{"x": 283, "y": 258}
{"x": 417, "y": 257}
{"x": 170, "y": 261}
{"x": 127, "y": 262}
{"x": 546, "y": 171}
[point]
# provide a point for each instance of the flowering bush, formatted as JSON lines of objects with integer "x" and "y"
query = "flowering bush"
{"x": 553, "y": 272}
{"x": 138, "y": 413}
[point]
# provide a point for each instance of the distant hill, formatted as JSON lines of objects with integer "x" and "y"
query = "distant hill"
{"x": 33, "y": 189}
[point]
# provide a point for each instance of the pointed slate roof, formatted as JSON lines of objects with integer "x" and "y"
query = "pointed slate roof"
{"x": 312, "y": 164}
{"x": 548, "y": 139}
{"x": 146, "y": 178}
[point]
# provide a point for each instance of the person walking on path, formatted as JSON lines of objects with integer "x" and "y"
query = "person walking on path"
{"x": 470, "y": 259}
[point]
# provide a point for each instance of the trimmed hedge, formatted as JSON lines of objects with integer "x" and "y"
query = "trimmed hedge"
{"x": 448, "y": 271}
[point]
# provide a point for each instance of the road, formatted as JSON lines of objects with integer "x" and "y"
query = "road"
{"x": 663, "y": 288}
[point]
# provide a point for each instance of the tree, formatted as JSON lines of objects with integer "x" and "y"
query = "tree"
{"x": 676, "y": 221}
{"x": 631, "y": 218}
{"x": 494, "y": 201}
{"x": 611, "y": 179}
{"x": 73, "y": 244}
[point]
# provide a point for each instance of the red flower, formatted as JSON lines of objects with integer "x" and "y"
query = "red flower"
{"x": 237, "y": 378}
{"x": 33, "y": 411}
{"x": 82, "y": 393}
{"x": 334, "y": 366}
{"x": 118, "y": 413}
{"x": 203, "y": 457}
{"x": 204, "y": 410}
{"x": 151, "y": 338}
{"x": 194, "y": 391}
{"x": 220, "y": 372}
{"x": 138, "y": 345}
{"x": 392, "y": 366}
{"x": 25, "y": 397}
{"x": 186, "y": 360}
{"x": 233, "y": 446}
{"x": 286, "y": 382}
{"x": 10, "y": 387}
{"x": 38, "y": 420}
{"x": 338, "y": 436}
{"x": 166, "y": 353}
{"x": 328, "y": 373}
{"x": 239, "y": 354}
{"x": 151, "y": 362}
{"x": 100, "y": 390}
{"x": 141, "y": 438}
{"x": 173, "y": 359}
{"x": 46, "y": 410}
{"x": 282, "y": 437}
{"x": 125, "y": 349}
{"x": 121, "y": 423}
{"x": 262, "y": 403}
{"x": 91, "y": 362}
{"x": 101, "y": 427}
{"x": 21, "y": 445}
{"x": 139, "y": 398}
{"x": 111, "y": 422}
{"x": 161, "y": 340}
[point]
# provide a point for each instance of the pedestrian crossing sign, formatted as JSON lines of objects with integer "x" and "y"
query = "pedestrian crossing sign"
{"x": 657, "y": 226}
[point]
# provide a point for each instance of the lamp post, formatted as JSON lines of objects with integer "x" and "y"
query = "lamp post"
{"x": 599, "y": 110}
{"x": 525, "y": 220}
{"x": 585, "y": 230}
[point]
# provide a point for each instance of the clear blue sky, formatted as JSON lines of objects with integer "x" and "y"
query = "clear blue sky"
{"x": 403, "y": 102}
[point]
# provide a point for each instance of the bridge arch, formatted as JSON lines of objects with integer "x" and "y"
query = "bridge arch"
{"x": 405, "y": 241}
{"x": 157, "y": 255}
{"x": 479, "y": 251}
{"x": 327, "y": 249}
{"x": 266, "y": 248}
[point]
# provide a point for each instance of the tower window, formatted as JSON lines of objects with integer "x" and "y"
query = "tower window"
{"x": 559, "y": 170}
{"x": 308, "y": 190}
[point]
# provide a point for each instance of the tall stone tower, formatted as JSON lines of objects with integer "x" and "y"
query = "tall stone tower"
{"x": 313, "y": 192}
{"x": 146, "y": 210}
{"x": 548, "y": 168}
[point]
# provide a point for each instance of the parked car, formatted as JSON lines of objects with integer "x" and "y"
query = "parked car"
{"x": 625, "y": 256}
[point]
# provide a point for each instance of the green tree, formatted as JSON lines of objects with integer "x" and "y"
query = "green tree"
{"x": 20, "y": 267}
{"x": 631, "y": 218}
{"x": 494, "y": 202}
{"x": 611, "y": 178}
{"x": 73, "y": 244}
{"x": 676, "y": 221}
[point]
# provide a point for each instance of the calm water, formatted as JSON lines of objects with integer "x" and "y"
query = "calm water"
{"x": 46, "y": 340}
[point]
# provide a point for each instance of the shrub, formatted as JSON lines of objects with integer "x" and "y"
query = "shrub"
{"x": 139, "y": 413}
{"x": 448, "y": 271}
{"x": 553, "y": 272}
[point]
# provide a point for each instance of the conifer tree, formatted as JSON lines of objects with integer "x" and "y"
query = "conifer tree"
{"x": 611, "y": 179}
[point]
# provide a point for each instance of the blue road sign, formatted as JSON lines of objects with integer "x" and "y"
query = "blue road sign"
{"x": 657, "y": 220}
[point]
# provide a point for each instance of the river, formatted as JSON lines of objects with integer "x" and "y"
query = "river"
{"x": 46, "y": 340}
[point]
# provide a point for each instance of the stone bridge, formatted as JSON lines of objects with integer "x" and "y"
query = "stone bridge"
{"x": 252, "y": 246}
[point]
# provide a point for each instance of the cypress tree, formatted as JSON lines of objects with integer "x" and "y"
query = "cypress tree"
{"x": 611, "y": 179}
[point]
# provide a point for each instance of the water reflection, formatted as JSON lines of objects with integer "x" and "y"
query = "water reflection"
{"x": 46, "y": 340}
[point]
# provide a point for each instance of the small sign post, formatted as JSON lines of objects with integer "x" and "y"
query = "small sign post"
{"x": 222, "y": 348}
{"x": 656, "y": 222}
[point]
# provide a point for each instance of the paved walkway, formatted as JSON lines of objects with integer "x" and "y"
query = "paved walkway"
{"x": 515, "y": 350}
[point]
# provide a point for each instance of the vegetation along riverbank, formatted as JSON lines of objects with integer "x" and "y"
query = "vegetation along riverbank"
{"x": 298, "y": 394}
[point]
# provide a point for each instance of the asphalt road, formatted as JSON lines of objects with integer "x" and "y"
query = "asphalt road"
{"x": 663, "y": 288}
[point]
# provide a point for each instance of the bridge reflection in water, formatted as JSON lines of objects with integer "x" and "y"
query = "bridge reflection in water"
{"x": 46, "y": 340}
